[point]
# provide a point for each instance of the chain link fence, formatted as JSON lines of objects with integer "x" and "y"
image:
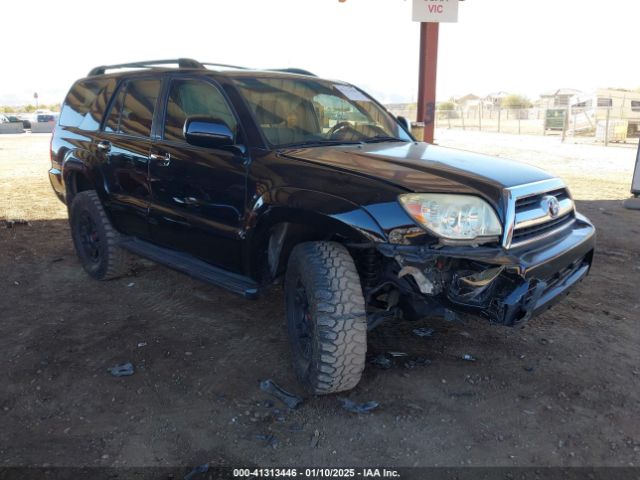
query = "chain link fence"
{"x": 600, "y": 124}
{"x": 528, "y": 121}
{"x": 522, "y": 121}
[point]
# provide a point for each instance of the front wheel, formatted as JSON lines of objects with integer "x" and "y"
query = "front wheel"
{"x": 326, "y": 317}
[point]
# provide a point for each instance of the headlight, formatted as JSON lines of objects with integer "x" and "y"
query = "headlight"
{"x": 453, "y": 217}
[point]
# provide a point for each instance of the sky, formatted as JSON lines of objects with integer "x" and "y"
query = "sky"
{"x": 519, "y": 46}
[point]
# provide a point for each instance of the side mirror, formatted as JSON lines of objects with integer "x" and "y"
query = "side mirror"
{"x": 207, "y": 132}
{"x": 405, "y": 123}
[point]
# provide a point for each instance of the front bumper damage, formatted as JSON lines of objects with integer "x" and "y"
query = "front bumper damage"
{"x": 505, "y": 286}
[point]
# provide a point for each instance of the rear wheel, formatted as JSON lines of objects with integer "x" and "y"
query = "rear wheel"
{"x": 95, "y": 239}
{"x": 326, "y": 317}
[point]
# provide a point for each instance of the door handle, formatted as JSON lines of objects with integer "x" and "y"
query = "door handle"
{"x": 163, "y": 159}
{"x": 104, "y": 145}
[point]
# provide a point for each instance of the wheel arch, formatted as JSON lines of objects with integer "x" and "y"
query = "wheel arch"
{"x": 78, "y": 175}
{"x": 304, "y": 216}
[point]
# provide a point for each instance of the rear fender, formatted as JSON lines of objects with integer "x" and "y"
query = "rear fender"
{"x": 80, "y": 172}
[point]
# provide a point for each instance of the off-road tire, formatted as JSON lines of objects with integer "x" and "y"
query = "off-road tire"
{"x": 327, "y": 276}
{"x": 111, "y": 261}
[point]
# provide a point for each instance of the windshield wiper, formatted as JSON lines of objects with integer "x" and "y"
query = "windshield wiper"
{"x": 383, "y": 138}
{"x": 319, "y": 143}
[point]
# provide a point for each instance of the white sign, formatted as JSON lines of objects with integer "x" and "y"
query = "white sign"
{"x": 435, "y": 11}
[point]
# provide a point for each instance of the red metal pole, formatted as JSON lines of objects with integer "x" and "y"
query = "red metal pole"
{"x": 427, "y": 78}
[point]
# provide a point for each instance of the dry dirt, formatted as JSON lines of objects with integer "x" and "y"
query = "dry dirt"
{"x": 563, "y": 390}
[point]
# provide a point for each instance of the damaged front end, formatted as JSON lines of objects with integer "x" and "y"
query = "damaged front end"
{"x": 506, "y": 286}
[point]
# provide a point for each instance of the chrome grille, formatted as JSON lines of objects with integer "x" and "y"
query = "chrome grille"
{"x": 528, "y": 220}
{"x": 521, "y": 235}
{"x": 533, "y": 201}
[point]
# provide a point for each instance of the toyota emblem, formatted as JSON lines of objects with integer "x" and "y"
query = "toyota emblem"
{"x": 550, "y": 204}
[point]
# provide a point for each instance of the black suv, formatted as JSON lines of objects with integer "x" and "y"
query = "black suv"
{"x": 241, "y": 178}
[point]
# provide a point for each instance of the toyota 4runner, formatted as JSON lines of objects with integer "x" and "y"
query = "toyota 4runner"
{"x": 241, "y": 178}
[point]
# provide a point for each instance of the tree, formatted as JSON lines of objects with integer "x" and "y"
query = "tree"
{"x": 446, "y": 106}
{"x": 54, "y": 107}
{"x": 514, "y": 101}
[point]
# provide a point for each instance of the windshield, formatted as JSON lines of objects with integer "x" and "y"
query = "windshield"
{"x": 309, "y": 112}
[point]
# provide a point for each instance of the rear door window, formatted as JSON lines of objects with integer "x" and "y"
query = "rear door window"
{"x": 133, "y": 107}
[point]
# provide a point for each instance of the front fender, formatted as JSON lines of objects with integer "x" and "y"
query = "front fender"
{"x": 308, "y": 215}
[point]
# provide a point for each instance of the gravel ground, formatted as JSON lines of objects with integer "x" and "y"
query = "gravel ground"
{"x": 561, "y": 391}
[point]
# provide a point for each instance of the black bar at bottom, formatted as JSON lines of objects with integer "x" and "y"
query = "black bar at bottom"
{"x": 316, "y": 473}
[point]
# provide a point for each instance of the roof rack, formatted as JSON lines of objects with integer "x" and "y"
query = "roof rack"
{"x": 299, "y": 71}
{"x": 223, "y": 65}
{"x": 184, "y": 63}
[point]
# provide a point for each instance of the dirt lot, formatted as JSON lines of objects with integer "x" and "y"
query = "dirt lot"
{"x": 563, "y": 390}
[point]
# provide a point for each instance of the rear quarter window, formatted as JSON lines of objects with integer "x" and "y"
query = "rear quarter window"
{"x": 81, "y": 109}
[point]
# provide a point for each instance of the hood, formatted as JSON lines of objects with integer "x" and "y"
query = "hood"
{"x": 422, "y": 167}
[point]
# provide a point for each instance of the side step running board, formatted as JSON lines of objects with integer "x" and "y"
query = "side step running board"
{"x": 193, "y": 267}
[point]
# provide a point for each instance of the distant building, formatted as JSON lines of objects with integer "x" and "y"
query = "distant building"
{"x": 621, "y": 108}
{"x": 559, "y": 98}
{"x": 467, "y": 102}
{"x": 493, "y": 101}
